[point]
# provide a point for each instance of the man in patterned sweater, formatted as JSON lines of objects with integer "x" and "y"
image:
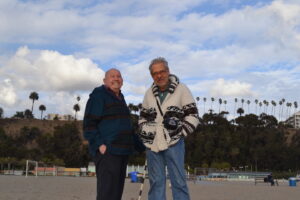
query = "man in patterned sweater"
{"x": 168, "y": 114}
{"x": 108, "y": 128}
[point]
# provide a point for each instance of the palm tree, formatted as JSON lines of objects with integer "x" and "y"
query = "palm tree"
{"x": 267, "y": 104}
{"x": 260, "y": 105}
{"x": 283, "y": 101}
{"x": 242, "y": 100}
{"x": 76, "y": 107}
{"x": 42, "y": 108}
{"x": 289, "y": 105}
{"x": 197, "y": 99}
{"x": 204, "y": 101}
{"x": 274, "y": 104}
{"x": 225, "y": 102}
{"x": 273, "y": 107}
{"x": 1, "y": 112}
{"x": 248, "y": 102}
{"x": 212, "y": 101}
{"x": 34, "y": 96}
{"x": 295, "y": 106}
{"x": 280, "y": 107}
{"x": 220, "y": 102}
{"x": 287, "y": 110}
{"x": 240, "y": 111}
{"x": 235, "y": 102}
{"x": 256, "y": 102}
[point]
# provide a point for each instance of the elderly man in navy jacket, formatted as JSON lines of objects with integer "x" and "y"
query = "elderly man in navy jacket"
{"x": 108, "y": 128}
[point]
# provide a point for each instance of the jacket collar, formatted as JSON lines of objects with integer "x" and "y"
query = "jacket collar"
{"x": 112, "y": 93}
{"x": 174, "y": 81}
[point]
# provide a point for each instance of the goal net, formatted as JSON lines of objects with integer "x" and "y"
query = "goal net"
{"x": 31, "y": 167}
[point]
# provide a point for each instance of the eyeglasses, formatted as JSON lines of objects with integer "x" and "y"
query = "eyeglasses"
{"x": 162, "y": 72}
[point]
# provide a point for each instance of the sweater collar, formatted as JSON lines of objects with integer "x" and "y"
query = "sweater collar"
{"x": 174, "y": 81}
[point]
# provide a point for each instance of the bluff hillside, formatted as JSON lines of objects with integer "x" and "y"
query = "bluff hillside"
{"x": 12, "y": 127}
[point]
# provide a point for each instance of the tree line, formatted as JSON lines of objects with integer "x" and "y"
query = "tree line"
{"x": 281, "y": 109}
{"x": 253, "y": 141}
{"x": 250, "y": 142}
{"x": 63, "y": 147}
{"x": 28, "y": 114}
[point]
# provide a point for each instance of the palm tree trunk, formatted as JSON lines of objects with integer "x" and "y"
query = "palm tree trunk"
{"x": 32, "y": 105}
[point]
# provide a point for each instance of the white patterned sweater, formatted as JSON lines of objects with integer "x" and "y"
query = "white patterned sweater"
{"x": 179, "y": 105}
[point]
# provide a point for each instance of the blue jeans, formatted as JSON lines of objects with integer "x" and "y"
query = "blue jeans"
{"x": 173, "y": 158}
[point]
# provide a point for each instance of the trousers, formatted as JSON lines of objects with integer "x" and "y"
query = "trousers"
{"x": 111, "y": 174}
{"x": 173, "y": 159}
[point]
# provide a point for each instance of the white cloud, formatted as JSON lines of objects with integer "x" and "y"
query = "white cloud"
{"x": 51, "y": 71}
{"x": 230, "y": 88}
{"x": 8, "y": 95}
{"x": 241, "y": 51}
{"x": 134, "y": 89}
{"x": 48, "y": 73}
{"x": 222, "y": 88}
{"x": 136, "y": 73}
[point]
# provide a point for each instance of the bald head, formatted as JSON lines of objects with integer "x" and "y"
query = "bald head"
{"x": 111, "y": 70}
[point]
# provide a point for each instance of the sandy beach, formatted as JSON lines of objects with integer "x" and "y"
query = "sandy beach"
{"x": 83, "y": 188}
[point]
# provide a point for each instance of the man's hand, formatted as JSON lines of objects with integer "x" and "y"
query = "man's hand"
{"x": 102, "y": 149}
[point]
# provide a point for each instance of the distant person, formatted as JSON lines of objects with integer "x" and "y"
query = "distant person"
{"x": 271, "y": 180}
{"x": 168, "y": 114}
{"x": 108, "y": 128}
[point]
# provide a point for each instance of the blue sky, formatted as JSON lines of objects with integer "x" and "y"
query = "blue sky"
{"x": 245, "y": 49}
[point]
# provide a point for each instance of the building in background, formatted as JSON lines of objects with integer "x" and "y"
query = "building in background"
{"x": 52, "y": 116}
{"x": 294, "y": 120}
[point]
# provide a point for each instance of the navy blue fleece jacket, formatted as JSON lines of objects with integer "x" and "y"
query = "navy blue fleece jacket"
{"x": 107, "y": 121}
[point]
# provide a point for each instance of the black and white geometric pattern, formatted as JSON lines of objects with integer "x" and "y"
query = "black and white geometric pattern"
{"x": 179, "y": 105}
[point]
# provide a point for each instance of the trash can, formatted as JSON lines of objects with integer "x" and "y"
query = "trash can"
{"x": 133, "y": 176}
{"x": 292, "y": 182}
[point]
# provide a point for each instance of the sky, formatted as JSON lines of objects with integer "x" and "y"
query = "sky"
{"x": 244, "y": 49}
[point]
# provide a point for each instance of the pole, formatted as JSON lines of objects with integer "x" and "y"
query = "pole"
{"x": 36, "y": 168}
{"x": 143, "y": 180}
{"x": 26, "y": 168}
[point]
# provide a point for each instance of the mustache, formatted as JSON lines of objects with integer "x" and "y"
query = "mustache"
{"x": 159, "y": 79}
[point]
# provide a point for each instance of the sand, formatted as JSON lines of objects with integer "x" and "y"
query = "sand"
{"x": 83, "y": 188}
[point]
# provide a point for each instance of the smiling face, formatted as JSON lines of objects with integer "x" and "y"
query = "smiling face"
{"x": 113, "y": 80}
{"x": 160, "y": 74}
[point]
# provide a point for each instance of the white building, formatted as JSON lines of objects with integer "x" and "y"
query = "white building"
{"x": 52, "y": 116}
{"x": 294, "y": 120}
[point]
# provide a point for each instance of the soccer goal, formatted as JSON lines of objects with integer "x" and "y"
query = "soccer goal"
{"x": 31, "y": 166}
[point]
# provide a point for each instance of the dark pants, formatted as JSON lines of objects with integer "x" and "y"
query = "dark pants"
{"x": 111, "y": 173}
